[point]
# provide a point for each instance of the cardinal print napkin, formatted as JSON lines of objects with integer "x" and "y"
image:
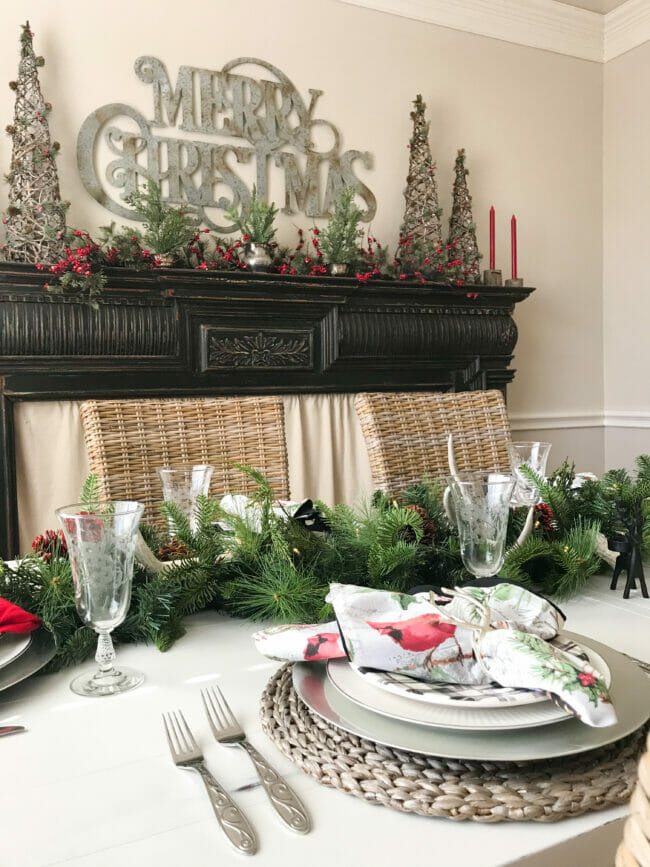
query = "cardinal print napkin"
{"x": 483, "y": 635}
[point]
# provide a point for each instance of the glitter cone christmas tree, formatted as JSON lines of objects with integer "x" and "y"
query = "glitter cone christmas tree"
{"x": 422, "y": 212}
{"x": 462, "y": 229}
{"x": 35, "y": 219}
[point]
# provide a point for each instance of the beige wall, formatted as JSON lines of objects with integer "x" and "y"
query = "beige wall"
{"x": 588, "y": 456}
{"x": 626, "y": 271}
{"x": 531, "y": 122}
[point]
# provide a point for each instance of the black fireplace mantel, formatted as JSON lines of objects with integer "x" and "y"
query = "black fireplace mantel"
{"x": 176, "y": 332}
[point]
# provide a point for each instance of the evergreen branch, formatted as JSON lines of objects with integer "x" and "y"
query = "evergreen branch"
{"x": 206, "y": 511}
{"x": 195, "y": 584}
{"x": 392, "y": 524}
{"x": 393, "y": 562}
{"x": 279, "y": 592}
{"x": 339, "y": 241}
{"x": 150, "y": 611}
{"x": 643, "y": 468}
{"x": 167, "y": 229}
{"x": 177, "y": 523}
{"x": 256, "y": 219}
{"x": 78, "y": 647}
{"x": 90, "y": 496}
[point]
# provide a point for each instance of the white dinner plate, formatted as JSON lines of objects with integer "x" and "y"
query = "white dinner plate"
{"x": 458, "y": 695}
{"x": 358, "y": 690}
{"x": 630, "y": 693}
{"x": 12, "y": 645}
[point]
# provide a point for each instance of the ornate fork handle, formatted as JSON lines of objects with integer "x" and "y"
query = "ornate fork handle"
{"x": 235, "y": 825}
{"x": 283, "y": 799}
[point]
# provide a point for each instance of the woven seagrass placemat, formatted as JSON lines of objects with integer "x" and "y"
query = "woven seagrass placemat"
{"x": 454, "y": 789}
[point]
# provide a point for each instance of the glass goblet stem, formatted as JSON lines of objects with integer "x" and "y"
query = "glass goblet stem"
{"x": 105, "y": 655}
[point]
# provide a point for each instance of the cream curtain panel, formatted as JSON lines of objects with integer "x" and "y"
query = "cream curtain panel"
{"x": 327, "y": 456}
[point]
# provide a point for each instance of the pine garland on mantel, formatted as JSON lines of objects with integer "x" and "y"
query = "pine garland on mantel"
{"x": 282, "y": 571}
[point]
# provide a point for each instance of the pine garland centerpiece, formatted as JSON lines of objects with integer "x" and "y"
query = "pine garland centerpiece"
{"x": 273, "y": 567}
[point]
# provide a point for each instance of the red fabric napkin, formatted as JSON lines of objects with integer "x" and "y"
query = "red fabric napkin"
{"x": 14, "y": 619}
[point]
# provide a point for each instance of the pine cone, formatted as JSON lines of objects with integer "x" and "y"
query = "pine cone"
{"x": 50, "y": 544}
{"x": 173, "y": 550}
{"x": 428, "y": 527}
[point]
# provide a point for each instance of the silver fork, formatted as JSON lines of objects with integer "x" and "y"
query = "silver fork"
{"x": 187, "y": 755}
{"x": 227, "y": 731}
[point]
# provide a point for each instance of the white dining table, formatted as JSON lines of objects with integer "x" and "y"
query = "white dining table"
{"x": 92, "y": 784}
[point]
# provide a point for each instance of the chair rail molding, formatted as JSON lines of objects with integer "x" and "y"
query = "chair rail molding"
{"x": 627, "y": 418}
{"x": 555, "y": 420}
{"x": 544, "y": 24}
{"x": 633, "y": 419}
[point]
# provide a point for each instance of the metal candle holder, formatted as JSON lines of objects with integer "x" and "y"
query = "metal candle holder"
{"x": 492, "y": 278}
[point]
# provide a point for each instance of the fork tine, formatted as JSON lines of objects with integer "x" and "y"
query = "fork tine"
{"x": 225, "y": 707}
{"x": 222, "y": 708}
{"x": 170, "y": 741}
{"x": 211, "y": 710}
{"x": 220, "y": 717}
{"x": 180, "y": 737}
{"x": 188, "y": 734}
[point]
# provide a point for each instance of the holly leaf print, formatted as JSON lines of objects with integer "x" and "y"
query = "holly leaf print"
{"x": 553, "y": 666}
{"x": 404, "y": 600}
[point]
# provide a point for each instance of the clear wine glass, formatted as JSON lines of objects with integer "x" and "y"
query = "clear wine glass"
{"x": 531, "y": 454}
{"x": 183, "y": 485}
{"x": 480, "y": 504}
{"x": 101, "y": 547}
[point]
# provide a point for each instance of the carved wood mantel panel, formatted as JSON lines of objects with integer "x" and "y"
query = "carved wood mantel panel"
{"x": 181, "y": 333}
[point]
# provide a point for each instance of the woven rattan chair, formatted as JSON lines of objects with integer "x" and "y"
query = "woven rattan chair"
{"x": 127, "y": 440}
{"x": 634, "y": 851}
{"x": 406, "y": 434}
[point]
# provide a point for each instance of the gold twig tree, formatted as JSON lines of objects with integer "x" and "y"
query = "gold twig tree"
{"x": 462, "y": 228}
{"x": 35, "y": 219}
{"x": 422, "y": 212}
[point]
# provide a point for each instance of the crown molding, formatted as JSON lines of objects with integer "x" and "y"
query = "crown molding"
{"x": 543, "y": 24}
{"x": 626, "y": 27}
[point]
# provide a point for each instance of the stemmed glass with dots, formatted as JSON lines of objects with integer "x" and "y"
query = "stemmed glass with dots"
{"x": 479, "y": 503}
{"x": 183, "y": 485}
{"x": 531, "y": 454}
{"x": 101, "y": 547}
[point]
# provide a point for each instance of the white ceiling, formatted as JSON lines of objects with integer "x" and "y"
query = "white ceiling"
{"x": 594, "y": 5}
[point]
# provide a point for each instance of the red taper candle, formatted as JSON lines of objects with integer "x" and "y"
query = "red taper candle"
{"x": 513, "y": 245}
{"x": 492, "y": 238}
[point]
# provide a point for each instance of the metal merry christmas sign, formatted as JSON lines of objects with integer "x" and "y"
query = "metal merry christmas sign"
{"x": 228, "y": 120}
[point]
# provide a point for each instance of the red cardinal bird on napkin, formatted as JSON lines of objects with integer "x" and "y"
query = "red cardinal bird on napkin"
{"x": 324, "y": 645}
{"x": 14, "y": 619}
{"x": 419, "y": 633}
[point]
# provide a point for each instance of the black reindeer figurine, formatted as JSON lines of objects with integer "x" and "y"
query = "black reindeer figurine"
{"x": 628, "y": 544}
